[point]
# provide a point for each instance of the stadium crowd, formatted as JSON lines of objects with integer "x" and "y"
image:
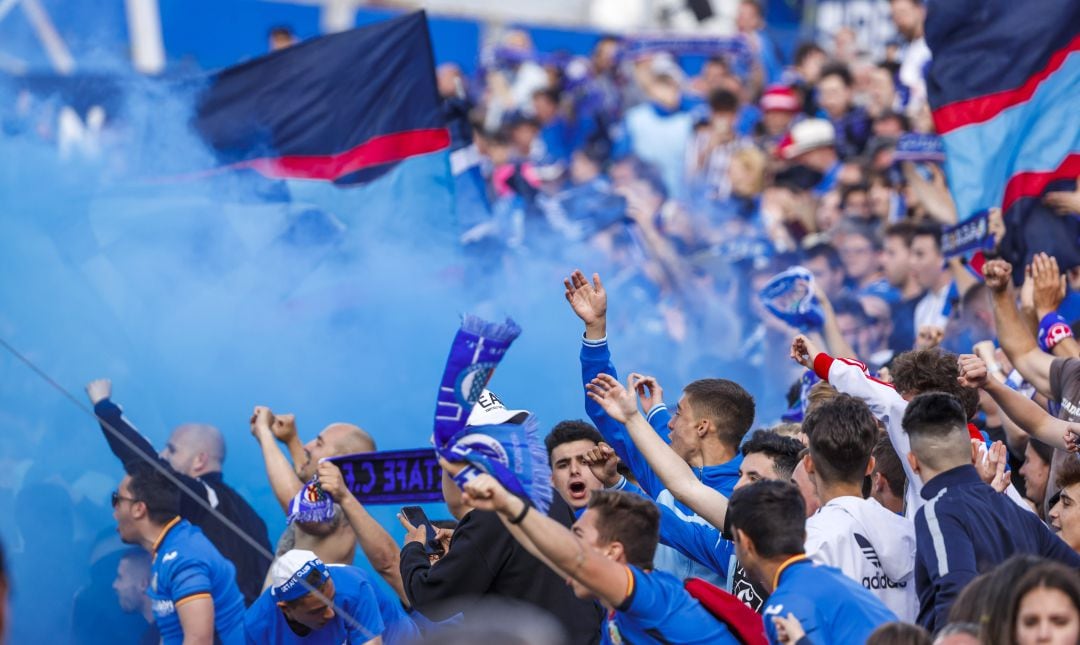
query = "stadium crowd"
{"x": 922, "y": 487}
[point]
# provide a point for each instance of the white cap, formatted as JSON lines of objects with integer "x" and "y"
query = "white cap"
{"x": 490, "y": 411}
{"x": 808, "y": 135}
{"x": 292, "y": 567}
{"x": 664, "y": 64}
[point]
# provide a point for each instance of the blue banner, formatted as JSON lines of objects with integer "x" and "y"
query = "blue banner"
{"x": 392, "y": 476}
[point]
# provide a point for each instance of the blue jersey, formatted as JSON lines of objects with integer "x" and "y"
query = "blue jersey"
{"x": 187, "y": 567}
{"x": 831, "y": 607}
{"x": 659, "y": 610}
{"x": 353, "y": 595}
{"x": 400, "y": 627}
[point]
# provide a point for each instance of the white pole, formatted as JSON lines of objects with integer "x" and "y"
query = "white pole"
{"x": 147, "y": 44}
{"x": 50, "y": 39}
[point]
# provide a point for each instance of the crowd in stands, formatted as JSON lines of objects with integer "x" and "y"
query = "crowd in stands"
{"x": 923, "y": 486}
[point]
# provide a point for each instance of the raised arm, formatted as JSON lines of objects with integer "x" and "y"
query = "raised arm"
{"x": 1050, "y": 287}
{"x": 136, "y": 448}
{"x": 675, "y": 474}
{"x": 379, "y": 547}
{"x": 605, "y": 578}
{"x": 283, "y": 479}
{"x": 1023, "y": 411}
{"x": 1017, "y": 342}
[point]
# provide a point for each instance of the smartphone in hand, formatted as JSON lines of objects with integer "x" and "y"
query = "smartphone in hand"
{"x": 416, "y": 516}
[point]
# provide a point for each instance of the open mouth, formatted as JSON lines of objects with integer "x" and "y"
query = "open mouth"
{"x": 577, "y": 489}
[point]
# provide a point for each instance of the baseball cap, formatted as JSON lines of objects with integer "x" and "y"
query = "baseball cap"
{"x": 807, "y": 135}
{"x": 490, "y": 411}
{"x": 664, "y": 64}
{"x": 292, "y": 570}
{"x": 779, "y": 98}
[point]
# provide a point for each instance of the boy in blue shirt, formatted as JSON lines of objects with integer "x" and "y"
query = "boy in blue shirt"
{"x": 608, "y": 556}
{"x": 193, "y": 592}
{"x": 768, "y": 520}
{"x": 309, "y": 602}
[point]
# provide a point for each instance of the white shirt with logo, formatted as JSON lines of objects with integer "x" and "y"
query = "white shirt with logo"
{"x": 871, "y": 545}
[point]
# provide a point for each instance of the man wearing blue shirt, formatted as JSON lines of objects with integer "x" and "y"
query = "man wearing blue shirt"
{"x": 769, "y": 524}
{"x": 607, "y": 555}
{"x": 309, "y": 602}
{"x": 192, "y": 591}
{"x": 709, "y": 422}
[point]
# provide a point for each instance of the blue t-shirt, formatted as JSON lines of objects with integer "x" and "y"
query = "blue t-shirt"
{"x": 353, "y": 594}
{"x": 400, "y": 627}
{"x": 659, "y": 610}
{"x": 187, "y": 567}
{"x": 831, "y": 607}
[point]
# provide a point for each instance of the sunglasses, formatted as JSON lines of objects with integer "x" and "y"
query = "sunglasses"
{"x": 117, "y": 498}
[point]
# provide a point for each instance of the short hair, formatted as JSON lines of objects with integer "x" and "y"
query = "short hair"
{"x": 783, "y": 451}
{"x": 887, "y": 462}
{"x": 721, "y": 100}
{"x": 1044, "y": 450}
{"x": 629, "y": 519}
{"x": 842, "y": 435}
{"x": 571, "y": 430}
{"x": 1068, "y": 473}
{"x": 840, "y": 70}
{"x": 139, "y": 559}
{"x": 772, "y": 514}
{"x": 898, "y": 633}
{"x": 929, "y": 229}
{"x": 756, "y": 5}
{"x": 151, "y": 487}
{"x": 850, "y": 306}
{"x": 281, "y": 31}
{"x": 547, "y": 93}
{"x": 903, "y": 229}
{"x": 725, "y": 403}
{"x": 827, "y": 251}
{"x": 932, "y": 370}
{"x": 936, "y": 423}
{"x": 854, "y": 227}
{"x": 820, "y": 392}
{"x": 805, "y": 50}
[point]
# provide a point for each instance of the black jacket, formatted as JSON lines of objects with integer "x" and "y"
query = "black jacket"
{"x": 250, "y": 565}
{"x": 485, "y": 560}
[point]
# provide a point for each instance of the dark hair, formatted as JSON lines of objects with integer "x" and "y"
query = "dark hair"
{"x": 898, "y": 633}
{"x": 1044, "y": 450}
{"x": 719, "y": 60}
{"x": 934, "y": 414}
{"x": 804, "y": 50}
{"x": 281, "y": 30}
{"x": 827, "y": 251}
{"x": 1068, "y": 473}
{"x": 445, "y": 524}
{"x": 567, "y": 431}
{"x": 629, "y": 519}
{"x": 783, "y": 451}
{"x": 903, "y": 229}
{"x": 929, "y": 229}
{"x": 842, "y": 434}
{"x": 548, "y": 93}
{"x": 887, "y": 462}
{"x": 149, "y": 486}
{"x": 721, "y": 100}
{"x": 932, "y": 370}
{"x": 772, "y": 514}
{"x": 840, "y": 70}
{"x": 856, "y": 227}
{"x": 1046, "y": 574}
{"x": 985, "y": 601}
{"x": 850, "y": 306}
{"x": 725, "y": 403}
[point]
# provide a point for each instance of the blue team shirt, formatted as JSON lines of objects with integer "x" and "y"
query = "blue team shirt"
{"x": 353, "y": 595}
{"x": 831, "y": 607}
{"x": 400, "y": 627}
{"x": 659, "y": 610}
{"x": 186, "y": 566}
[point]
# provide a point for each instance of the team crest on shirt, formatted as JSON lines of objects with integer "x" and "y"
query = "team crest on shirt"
{"x": 171, "y": 555}
{"x": 613, "y": 633}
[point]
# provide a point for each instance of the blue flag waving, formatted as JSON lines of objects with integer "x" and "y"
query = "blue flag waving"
{"x": 1004, "y": 85}
{"x": 342, "y": 108}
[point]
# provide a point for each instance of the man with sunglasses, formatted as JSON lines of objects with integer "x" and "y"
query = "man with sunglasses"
{"x": 192, "y": 591}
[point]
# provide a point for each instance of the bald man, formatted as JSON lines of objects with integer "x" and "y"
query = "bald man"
{"x": 334, "y": 542}
{"x": 194, "y": 453}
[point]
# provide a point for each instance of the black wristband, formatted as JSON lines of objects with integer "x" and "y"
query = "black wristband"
{"x": 520, "y": 516}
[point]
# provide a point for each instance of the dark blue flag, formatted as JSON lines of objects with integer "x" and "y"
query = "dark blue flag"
{"x": 344, "y": 108}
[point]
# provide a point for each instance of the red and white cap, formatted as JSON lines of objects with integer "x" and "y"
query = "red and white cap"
{"x": 779, "y": 98}
{"x": 805, "y": 136}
